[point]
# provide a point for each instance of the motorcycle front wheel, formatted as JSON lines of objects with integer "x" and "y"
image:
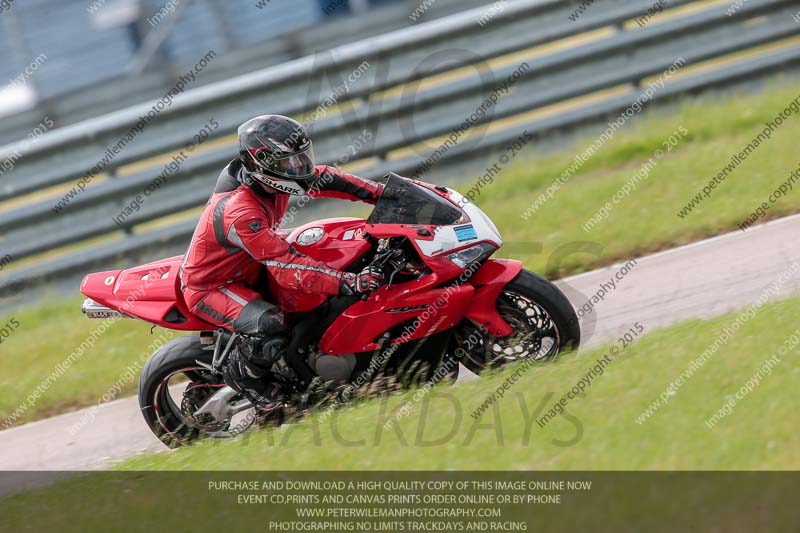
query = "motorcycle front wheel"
{"x": 543, "y": 321}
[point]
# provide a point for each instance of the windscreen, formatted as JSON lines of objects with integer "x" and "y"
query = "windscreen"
{"x": 405, "y": 202}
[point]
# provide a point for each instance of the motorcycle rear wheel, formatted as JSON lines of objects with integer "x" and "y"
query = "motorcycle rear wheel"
{"x": 166, "y": 410}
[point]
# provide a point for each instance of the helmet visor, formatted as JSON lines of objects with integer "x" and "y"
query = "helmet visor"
{"x": 296, "y": 166}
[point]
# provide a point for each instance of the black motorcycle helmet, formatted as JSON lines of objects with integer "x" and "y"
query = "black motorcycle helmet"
{"x": 277, "y": 153}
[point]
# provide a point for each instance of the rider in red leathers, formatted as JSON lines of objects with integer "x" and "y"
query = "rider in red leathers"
{"x": 236, "y": 240}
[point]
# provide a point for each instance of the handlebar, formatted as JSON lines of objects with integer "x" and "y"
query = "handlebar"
{"x": 380, "y": 262}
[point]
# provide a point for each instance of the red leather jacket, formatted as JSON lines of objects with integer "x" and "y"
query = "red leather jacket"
{"x": 236, "y": 235}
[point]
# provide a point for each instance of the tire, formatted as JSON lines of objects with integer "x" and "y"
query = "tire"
{"x": 543, "y": 294}
{"x": 158, "y": 410}
{"x": 555, "y": 302}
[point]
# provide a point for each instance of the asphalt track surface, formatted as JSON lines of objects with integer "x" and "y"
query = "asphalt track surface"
{"x": 699, "y": 280}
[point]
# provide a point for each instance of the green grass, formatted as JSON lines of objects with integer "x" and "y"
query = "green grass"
{"x": 45, "y": 338}
{"x": 646, "y": 221}
{"x": 600, "y": 433}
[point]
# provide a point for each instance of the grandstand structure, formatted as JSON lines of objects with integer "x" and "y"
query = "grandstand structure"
{"x": 84, "y": 58}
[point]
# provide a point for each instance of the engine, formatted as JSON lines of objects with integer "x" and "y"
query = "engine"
{"x": 337, "y": 368}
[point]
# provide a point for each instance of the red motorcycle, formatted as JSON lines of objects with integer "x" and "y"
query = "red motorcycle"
{"x": 445, "y": 302}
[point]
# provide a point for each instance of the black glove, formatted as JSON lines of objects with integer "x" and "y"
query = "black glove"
{"x": 368, "y": 280}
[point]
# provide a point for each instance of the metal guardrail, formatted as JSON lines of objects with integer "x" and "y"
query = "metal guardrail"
{"x": 66, "y": 154}
{"x": 623, "y": 58}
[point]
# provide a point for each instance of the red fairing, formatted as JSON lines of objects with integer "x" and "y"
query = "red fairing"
{"x": 241, "y": 236}
{"x": 149, "y": 292}
{"x": 435, "y": 309}
{"x": 489, "y": 281}
{"x": 342, "y": 242}
{"x": 421, "y": 309}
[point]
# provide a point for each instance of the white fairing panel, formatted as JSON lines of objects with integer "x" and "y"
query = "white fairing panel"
{"x": 447, "y": 238}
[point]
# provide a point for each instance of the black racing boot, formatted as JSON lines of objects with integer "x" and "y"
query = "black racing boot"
{"x": 247, "y": 365}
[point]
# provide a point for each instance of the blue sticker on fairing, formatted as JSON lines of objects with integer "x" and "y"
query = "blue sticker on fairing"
{"x": 465, "y": 233}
